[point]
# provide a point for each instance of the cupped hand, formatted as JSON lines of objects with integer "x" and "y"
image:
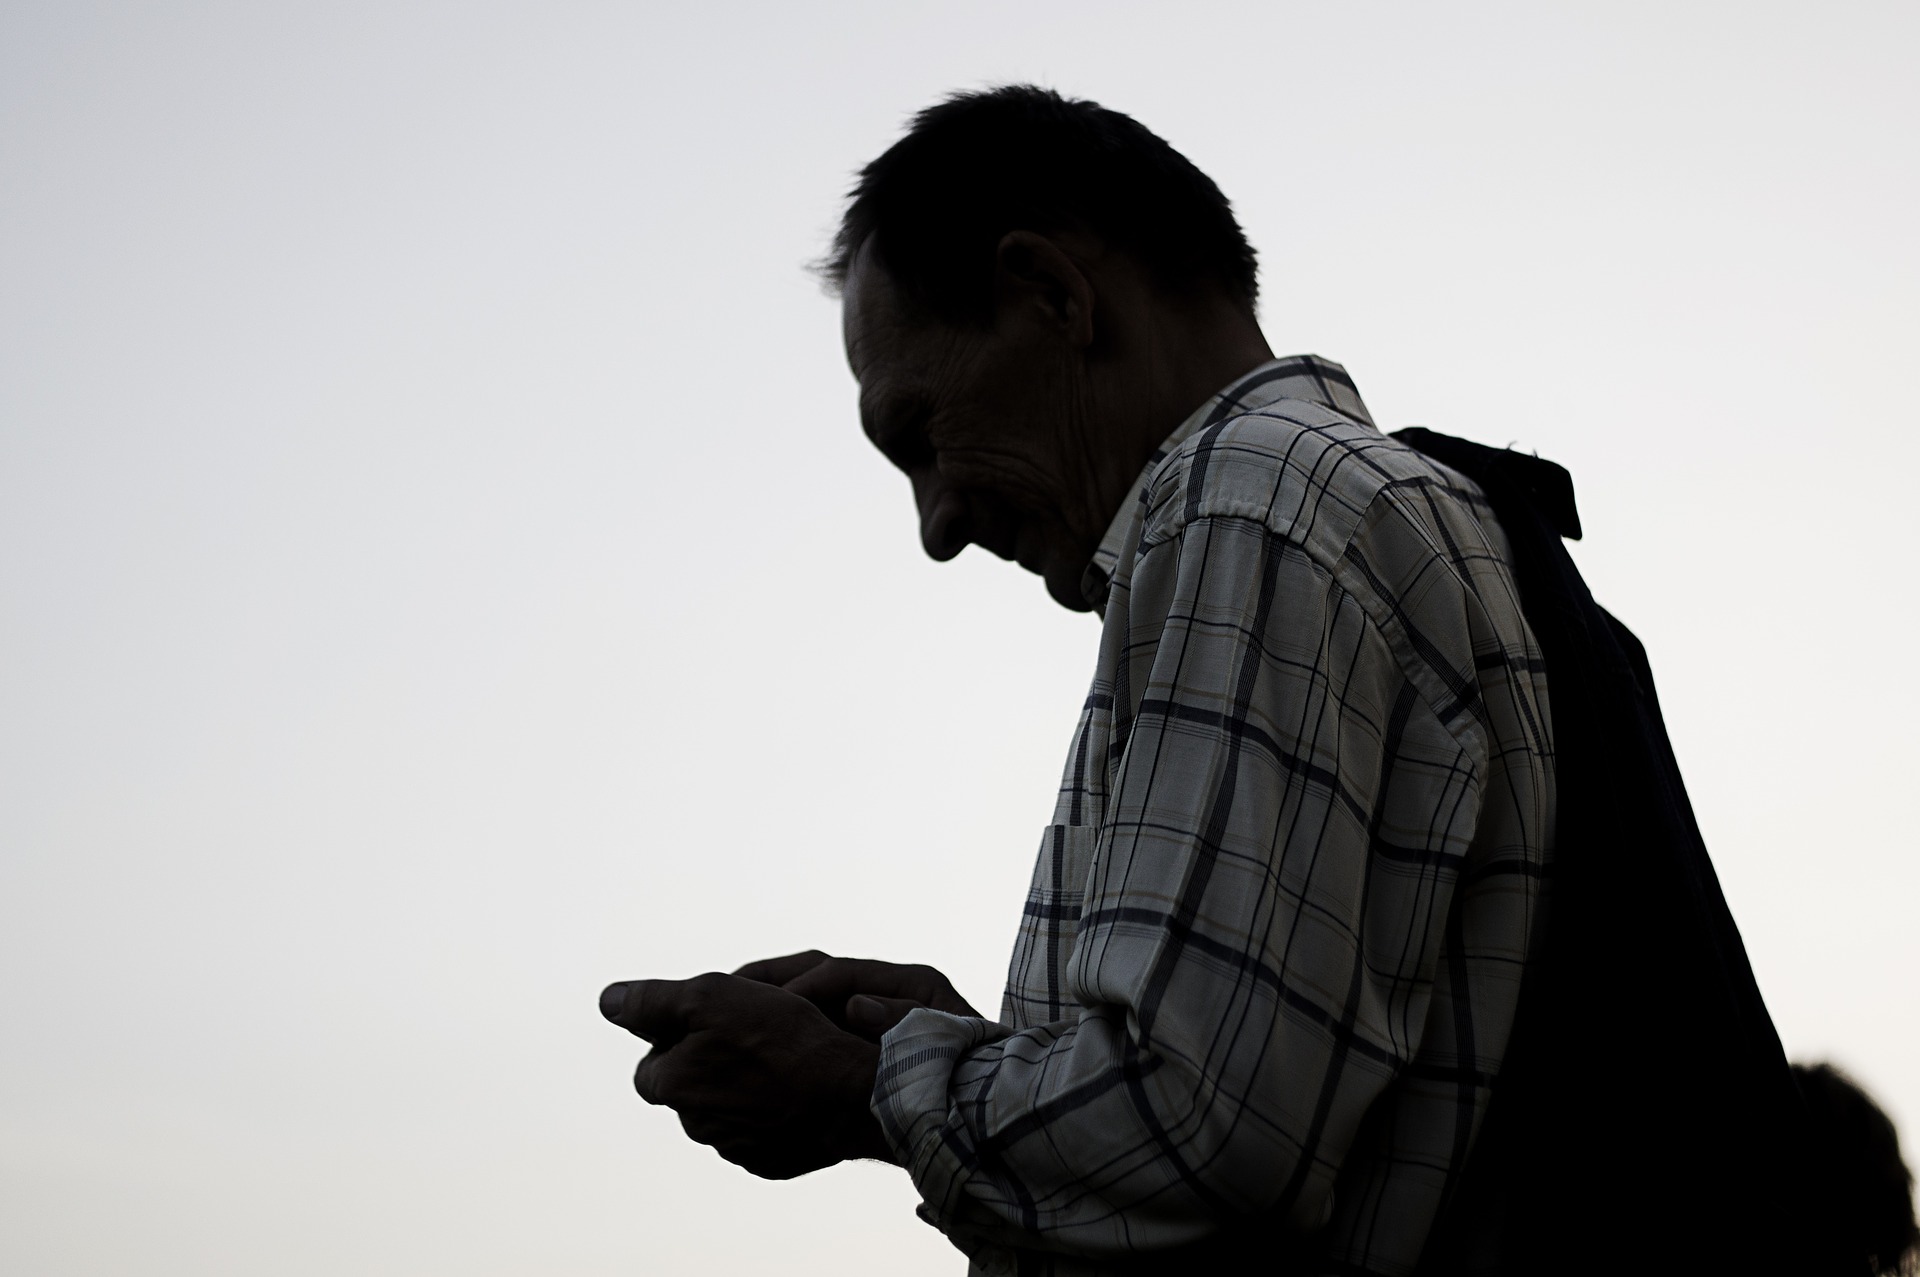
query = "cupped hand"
{"x": 756, "y": 1072}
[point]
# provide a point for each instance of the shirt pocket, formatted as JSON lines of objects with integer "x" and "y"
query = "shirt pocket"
{"x": 1049, "y": 924}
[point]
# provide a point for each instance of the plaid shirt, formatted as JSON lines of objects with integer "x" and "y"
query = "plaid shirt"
{"x": 1269, "y": 960}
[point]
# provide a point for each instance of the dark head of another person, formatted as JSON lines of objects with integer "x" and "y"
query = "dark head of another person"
{"x": 1036, "y": 291}
{"x": 1858, "y": 1156}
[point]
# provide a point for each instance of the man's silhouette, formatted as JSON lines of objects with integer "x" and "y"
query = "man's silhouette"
{"x": 1347, "y": 948}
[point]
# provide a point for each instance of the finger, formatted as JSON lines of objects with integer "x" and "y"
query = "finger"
{"x": 654, "y": 1010}
{"x": 686, "y": 1076}
{"x": 647, "y": 1077}
{"x": 679, "y": 1077}
{"x": 871, "y": 1016}
{"x": 950, "y": 1001}
{"x": 830, "y": 983}
{"x": 781, "y": 970}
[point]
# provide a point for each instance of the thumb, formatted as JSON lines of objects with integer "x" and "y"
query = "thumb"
{"x": 870, "y": 1016}
{"x": 655, "y": 1010}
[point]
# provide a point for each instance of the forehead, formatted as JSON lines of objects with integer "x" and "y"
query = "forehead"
{"x": 871, "y": 316}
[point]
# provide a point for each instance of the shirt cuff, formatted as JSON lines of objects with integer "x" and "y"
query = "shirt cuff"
{"x": 914, "y": 1101}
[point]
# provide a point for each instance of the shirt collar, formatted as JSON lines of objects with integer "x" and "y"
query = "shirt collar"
{"x": 1306, "y": 377}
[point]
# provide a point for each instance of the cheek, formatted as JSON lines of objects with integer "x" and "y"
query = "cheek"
{"x": 997, "y": 457}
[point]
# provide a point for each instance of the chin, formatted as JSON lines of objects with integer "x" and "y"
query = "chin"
{"x": 1065, "y": 588}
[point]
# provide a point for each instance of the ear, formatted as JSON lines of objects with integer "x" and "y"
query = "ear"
{"x": 1032, "y": 274}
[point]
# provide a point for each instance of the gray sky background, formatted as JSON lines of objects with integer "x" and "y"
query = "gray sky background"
{"x": 441, "y": 571}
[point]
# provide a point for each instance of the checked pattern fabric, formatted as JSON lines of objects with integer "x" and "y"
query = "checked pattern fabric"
{"x": 1268, "y": 964}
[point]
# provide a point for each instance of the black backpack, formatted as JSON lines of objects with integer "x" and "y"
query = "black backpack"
{"x": 1645, "y": 1119}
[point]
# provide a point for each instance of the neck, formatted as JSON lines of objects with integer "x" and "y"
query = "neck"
{"x": 1194, "y": 352}
{"x": 1162, "y": 367}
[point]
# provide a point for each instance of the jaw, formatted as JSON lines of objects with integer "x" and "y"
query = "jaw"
{"x": 1063, "y": 583}
{"x": 1046, "y": 546}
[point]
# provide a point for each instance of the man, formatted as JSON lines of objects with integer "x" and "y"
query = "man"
{"x": 1268, "y": 968}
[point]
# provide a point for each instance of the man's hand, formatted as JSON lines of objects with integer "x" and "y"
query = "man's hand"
{"x": 861, "y": 995}
{"x": 757, "y": 1073}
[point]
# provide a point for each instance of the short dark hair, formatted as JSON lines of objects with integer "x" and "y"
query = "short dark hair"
{"x": 1019, "y": 157}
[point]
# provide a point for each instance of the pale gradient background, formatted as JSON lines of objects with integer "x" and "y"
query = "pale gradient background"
{"x": 440, "y": 570}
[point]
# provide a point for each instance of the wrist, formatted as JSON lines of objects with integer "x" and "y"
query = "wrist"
{"x": 859, "y": 1134}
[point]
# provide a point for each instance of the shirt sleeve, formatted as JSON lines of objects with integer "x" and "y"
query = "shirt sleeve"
{"x": 1264, "y": 912}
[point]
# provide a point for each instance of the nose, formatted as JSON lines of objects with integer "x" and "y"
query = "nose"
{"x": 946, "y": 525}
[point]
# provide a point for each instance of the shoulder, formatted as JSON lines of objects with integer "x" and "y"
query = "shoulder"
{"x": 1309, "y": 474}
{"x": 1412, "y": 542}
